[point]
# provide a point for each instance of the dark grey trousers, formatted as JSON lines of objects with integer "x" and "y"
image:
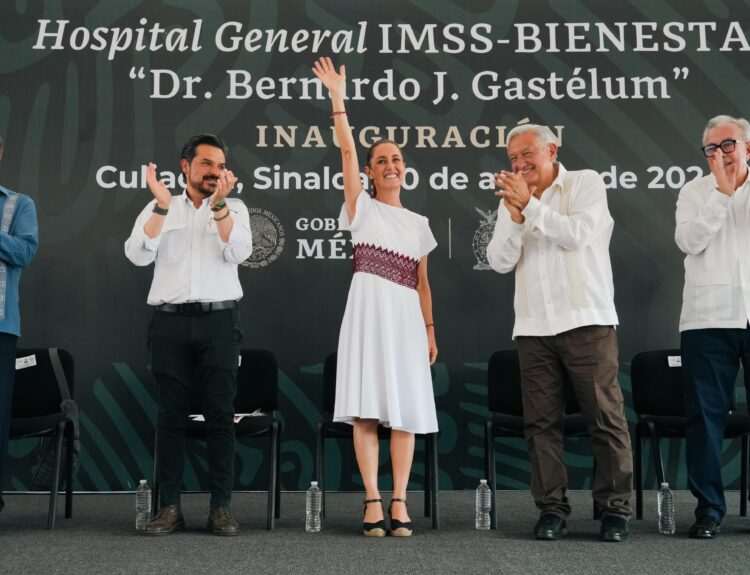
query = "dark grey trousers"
{"x": 589, "y": 357}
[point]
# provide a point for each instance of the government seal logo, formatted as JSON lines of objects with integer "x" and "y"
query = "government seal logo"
{"x": 268, "y": 238}
{"x": 482, "y": 237}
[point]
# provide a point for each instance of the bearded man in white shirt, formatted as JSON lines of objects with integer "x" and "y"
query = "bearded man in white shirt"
{"x": 554, "y": 227}
{"x": 713, "y": 230}
{"x": 196, "y": 241}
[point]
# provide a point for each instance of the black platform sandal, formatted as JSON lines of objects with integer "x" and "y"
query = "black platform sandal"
{"x": 399, "y": 528}
{"x": 376, "y": 529}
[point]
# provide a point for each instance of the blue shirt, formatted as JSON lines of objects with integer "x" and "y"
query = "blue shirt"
{"x": 17, "y": 249}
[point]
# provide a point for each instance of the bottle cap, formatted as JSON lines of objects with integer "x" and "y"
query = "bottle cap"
{"x": 313, "y": 484}
{"x": 482, "y": 481}
{"x": 665, "y": 485}
{"x": 143, "y": 481}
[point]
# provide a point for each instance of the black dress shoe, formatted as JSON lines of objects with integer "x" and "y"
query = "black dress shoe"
{"x": 550, "y": 527}
{"x": 705, "y": 528}
{"x": 221, "y": 522}
{"x": 614, "y": 528}
{"x": 168, "y": 520}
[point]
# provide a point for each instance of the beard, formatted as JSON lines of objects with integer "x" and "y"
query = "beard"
{"x": 205, "y": 186}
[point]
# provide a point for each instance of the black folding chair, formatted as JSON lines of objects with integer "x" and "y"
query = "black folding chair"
{"x": 257, "y": 389}
{"x": 505, "y": 404}
{"x": 658, "y": 400}
{"x": 329, "y": 429}
{"x": 43, "y": 406}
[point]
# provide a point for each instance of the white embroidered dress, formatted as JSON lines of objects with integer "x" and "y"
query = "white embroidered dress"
{"x": 383, "y": 369}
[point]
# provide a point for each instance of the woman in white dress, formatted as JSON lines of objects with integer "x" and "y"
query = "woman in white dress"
{"x": 387, "y": 339}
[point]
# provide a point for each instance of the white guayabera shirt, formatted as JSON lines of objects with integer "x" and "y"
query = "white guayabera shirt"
{"x": 713, "y": 229}
{"x": 561, "y": 256}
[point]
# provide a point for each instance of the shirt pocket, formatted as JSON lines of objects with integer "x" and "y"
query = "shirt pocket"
{"x": 713, "y": 295}
{"x": 174, "y": 241}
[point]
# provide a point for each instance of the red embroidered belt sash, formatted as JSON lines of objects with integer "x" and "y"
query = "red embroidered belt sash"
{"x": 387, "y": 264}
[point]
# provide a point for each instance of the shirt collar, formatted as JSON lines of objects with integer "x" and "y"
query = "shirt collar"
{"x": 558, "y": 181}
{"x": 189, "y": 202}
{"x": 5, "y": 191}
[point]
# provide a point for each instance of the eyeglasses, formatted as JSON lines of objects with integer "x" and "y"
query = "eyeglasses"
{"x": 727, "y": 146}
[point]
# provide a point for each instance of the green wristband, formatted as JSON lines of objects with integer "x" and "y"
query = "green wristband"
{"x": 218, "y": 206}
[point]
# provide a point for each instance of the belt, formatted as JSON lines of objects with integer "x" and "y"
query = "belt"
{"x": 197, "y": 307}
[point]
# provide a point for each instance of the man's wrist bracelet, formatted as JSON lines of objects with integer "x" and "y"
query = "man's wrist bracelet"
{"x": 218, "y": 206}
{"x": 224, "y": 217}
{"x": 160, "y": 211}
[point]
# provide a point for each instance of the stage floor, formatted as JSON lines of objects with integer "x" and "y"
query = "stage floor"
{"x": 101, "y": 539}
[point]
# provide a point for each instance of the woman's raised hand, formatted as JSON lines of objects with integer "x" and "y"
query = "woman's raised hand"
{"x": 334, "y": 81}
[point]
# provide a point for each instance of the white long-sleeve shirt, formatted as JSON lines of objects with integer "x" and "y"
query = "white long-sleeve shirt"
{"x": 713, "y": 230}
{"x": 561, "y": 256}
{"x": 191, "y": 262}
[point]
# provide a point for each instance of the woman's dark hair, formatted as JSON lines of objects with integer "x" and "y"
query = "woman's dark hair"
{"x": 189, "y": 149}
{"x": 371, "y": 153}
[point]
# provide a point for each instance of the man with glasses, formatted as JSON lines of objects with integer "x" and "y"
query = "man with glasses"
{"x": 554, "y": 227}
{"x": 713, "y": 229}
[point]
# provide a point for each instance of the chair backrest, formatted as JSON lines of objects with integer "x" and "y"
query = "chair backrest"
{"x": 656, "y": 382}
{"x": 257, "y": 383}
{"x": 504, "y": 385}
{"x": 329, "y": 382}
{"x": 36, "y": 391}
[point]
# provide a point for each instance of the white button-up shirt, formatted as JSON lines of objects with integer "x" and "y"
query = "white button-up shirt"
{"x": 192, "y": 263}
{"x": 561, "y": 256}
{"x": 713, "y": 229}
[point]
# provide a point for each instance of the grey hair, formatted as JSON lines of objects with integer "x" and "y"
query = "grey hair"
{"x": 716, "y": 121}
{"x": 543, "y": 133}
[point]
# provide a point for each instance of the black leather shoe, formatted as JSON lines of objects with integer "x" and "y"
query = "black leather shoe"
{"x": 704, "y": 528}
{"x": 614, "y": 528}
{"x": 168, "y": 520}
{"x": 550, "y": 527}
{"x": 221, "y": 522}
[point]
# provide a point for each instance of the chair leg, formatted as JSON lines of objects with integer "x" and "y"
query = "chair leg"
{"x": 489, "y": 469}
{"x": 319, "y": 471}
{"x": 435, "y": 485}
{"x": 155, "y": 481}
{"x": 69, "y": 471}
{"x": 638, "y": 469}
{"x": 278, "y": 475}
{"x": 658, "y": 462}
{"x": 743, "y": 474}
{"x": 51, "y": 516}
{"x": 427, "y": 476}
{"x": 273, "y": 455}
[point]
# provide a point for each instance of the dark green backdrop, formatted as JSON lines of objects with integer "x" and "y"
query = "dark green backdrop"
{"x": 68, "y": 113}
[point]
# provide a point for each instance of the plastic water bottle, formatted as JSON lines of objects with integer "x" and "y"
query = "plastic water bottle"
{"x": 312, "y": 508}
{"x": 665, "y": 507}
{"x": 483, "y": 505}
{"x": 142, "y": 505}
